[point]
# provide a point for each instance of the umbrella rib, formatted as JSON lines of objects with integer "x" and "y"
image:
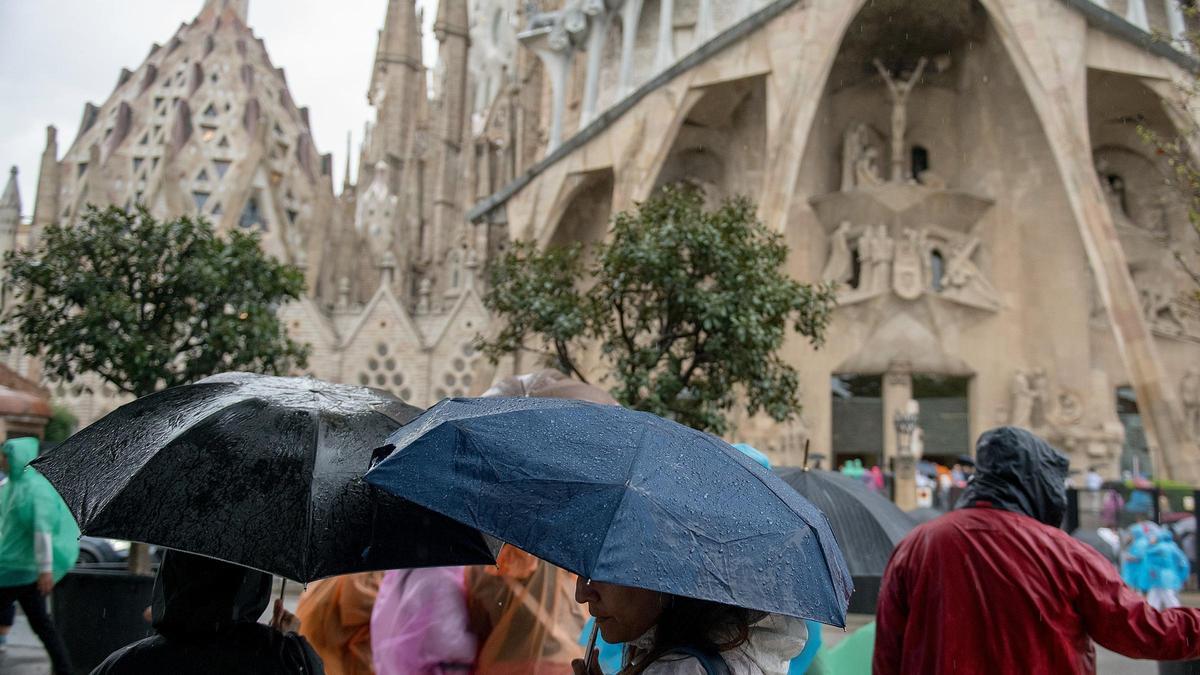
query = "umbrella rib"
{"x": 308, "y": 510}
{"x": 624, "y": 494}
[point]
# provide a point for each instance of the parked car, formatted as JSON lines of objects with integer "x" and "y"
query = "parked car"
{"x": 97, "y": 550}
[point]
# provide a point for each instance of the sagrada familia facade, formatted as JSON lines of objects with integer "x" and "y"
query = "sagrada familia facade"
{"x": 969, "y": 172}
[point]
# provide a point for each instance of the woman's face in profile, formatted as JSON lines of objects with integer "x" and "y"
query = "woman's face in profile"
{"x": 623, "y": 613}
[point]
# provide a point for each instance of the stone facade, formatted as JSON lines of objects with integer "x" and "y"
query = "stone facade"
{"x": 968, "y": 171}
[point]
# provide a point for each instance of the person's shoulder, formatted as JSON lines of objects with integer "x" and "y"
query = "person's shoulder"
{"x": 676, "y": 664}
{"x": 131, "y": 658}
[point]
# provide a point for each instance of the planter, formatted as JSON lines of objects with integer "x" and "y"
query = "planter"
{"x": 98, "y": 609}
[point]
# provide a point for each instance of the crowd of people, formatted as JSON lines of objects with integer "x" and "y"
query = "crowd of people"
{"x": 958, "y": 594}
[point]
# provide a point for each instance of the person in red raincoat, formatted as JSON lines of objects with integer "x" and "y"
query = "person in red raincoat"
{"x": 995, "y": 587}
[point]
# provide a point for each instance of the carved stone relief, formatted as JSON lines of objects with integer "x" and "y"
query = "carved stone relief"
{"x": 1189, "y": 395}
{"x": 923, "y": 260}
{"x": 1063, "y": 419}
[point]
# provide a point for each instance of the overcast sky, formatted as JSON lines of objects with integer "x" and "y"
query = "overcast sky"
{"x": 56, "y": 55}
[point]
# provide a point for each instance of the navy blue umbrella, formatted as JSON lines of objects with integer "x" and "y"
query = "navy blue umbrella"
{"x": 623, "y": 497}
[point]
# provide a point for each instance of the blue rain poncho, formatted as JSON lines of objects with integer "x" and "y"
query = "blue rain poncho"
{"x": 37, "y": 532}
{"x": 1166, "y": 565}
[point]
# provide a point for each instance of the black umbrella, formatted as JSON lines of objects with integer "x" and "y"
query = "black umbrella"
{"x": 866, "y": 525}
{"x": 265, "y": 472}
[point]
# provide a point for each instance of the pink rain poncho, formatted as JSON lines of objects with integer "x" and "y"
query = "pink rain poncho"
{"x": 419, "y": 624}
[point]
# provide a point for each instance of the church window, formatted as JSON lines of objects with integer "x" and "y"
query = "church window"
{"x": 291, "y": 215}
{"x": 937, "y": 270}
{"x": 364, "y": 379}
{"x": 137, "y": 163}
{"x": 139, "y": 198}
{"x": 153, "y": 163}
{"x": 252, "y": 215}
{"x": 210, "y": 111}
{"x": 145, "y": 139}
{"x": 373, "y": 364}
{"x": 398, "y": 379}
{"x": 278, "y": 130}
{"x": 82, "y": 168}
{"x": 158, "y": 101}
{"x": 381, "y": 348}
{"x": 217, "y": 210}
{"x": 201, "y": 198}
{"x": 158, "y": 132}
{"x": 455, "y": 269}
{"x": 222, "y": 167}
{"x": 381, "y": 380}
{"x": 224, "y": 142}
{"x": 468, "y": 350}
{"x": 920, "y": 161}
{"x": 390, "y": 364}
{"x": 202, "y": 177}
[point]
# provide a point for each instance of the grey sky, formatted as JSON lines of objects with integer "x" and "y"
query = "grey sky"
{"x": 56, "y": 55}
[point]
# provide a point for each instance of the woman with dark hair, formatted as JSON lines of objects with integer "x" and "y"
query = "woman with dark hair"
{"x": 667, "y": 635}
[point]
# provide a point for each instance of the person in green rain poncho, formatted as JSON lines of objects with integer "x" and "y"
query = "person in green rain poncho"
{"x": 39, "y": 542}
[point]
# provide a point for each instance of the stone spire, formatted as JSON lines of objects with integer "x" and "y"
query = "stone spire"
{"x": 10, "y": 213}
{"x": 452, "y": 33}
{"x": 347, "y": 186}
{"x": 397, "y": 82}
{"x": 45, "y": 205}
{"x": 240, "y": 8}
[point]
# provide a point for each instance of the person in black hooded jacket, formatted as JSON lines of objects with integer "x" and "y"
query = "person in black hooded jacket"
{"x": 206, "y": 619}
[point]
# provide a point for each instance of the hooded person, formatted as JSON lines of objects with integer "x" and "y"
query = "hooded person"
{"x": 335, "y": 618}
{"x": 39, "y": 542}
{"x": 996, "y": 587}
{"x": 419, "y": 624}
{"x": 522, "y": 610}
{"x": 205, "y": 614}
{"x": 1167, "y": 569}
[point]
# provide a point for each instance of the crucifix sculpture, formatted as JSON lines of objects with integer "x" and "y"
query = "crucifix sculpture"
{"x": 898, "y": 91}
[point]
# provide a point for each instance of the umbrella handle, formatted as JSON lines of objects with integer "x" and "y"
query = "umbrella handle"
{"x": 282, "y": 586}
{"x": 591, "y": 648}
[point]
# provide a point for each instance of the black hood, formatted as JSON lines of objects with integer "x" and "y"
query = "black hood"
{"x": 1017, "y": 471}
{"x": 197, "y": 596}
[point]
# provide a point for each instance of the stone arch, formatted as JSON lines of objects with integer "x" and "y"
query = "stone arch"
{"x": 587, "y": 210}
{"x": 721, "y": 144}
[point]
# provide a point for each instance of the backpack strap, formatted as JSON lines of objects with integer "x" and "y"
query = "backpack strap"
{"x": 712, "y": 662}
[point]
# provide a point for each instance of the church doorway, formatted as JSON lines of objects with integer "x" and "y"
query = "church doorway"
{"x": 857, "y": 419}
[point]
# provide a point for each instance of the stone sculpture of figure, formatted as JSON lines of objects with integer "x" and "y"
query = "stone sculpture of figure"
{"x": 860, "y": 160}
{"x": 908, "y": 268}
{"x": 1022, "y": 401}
{"x": 885, "y": 251}
{"x": 962, "y": 274}
{"x": 1039, "y": 385}
{"x": 423, "y": 292}
{"x": 1158, "y": 292}
{"x": 899, "y": 91}
{"x": 866, "y": 169}
{"x": 1189, "y": 394}
{"x": 853, "y": 145}
{"x": 839, "y": 267}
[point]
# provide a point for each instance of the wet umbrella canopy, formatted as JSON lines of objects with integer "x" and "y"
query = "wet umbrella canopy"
{"x": 867, "y": 526}
{"x": 623, "y": 497}
{"x": 262, "y": 471}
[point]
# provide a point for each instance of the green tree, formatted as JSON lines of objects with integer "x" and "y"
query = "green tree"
{"x": 689, "y": 307}
{"x": 146, "y": 304}
{"x": 61, "y": 425}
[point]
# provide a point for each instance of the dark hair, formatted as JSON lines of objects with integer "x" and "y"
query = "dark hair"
{"x": 707, "y": 626}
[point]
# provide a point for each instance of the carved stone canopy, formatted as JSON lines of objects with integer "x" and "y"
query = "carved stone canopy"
{"x": 902, "y": 206}
{"x": 903, "y": 338}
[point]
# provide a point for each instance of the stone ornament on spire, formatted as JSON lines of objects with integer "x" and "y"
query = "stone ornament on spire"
{"x": 213, "y": 8}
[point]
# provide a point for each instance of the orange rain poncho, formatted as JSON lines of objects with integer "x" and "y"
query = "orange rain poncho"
{"x": 525, "y": 615}
{"x": 335, "y": 617}
{"x": 523, "y": 609}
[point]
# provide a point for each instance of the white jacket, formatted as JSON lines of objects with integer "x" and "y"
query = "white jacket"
{"x": 773, "y": 643}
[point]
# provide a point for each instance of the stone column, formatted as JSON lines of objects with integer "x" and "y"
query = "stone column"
{"x": 557, "y": 61}
{"x": 666, "y": 36}
{"x": 1176, "y": 25}
{"x": 631, "y": 14}
{"x": 1135, "y": 14}
{"x": 597, "y": 38}
{"x": 897, "y": 392}
{"x": 705, "y": 25}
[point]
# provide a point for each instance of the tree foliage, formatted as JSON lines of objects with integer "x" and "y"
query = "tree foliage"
{"x": 146, "y": 304}
{"x": 689, "y": 307}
